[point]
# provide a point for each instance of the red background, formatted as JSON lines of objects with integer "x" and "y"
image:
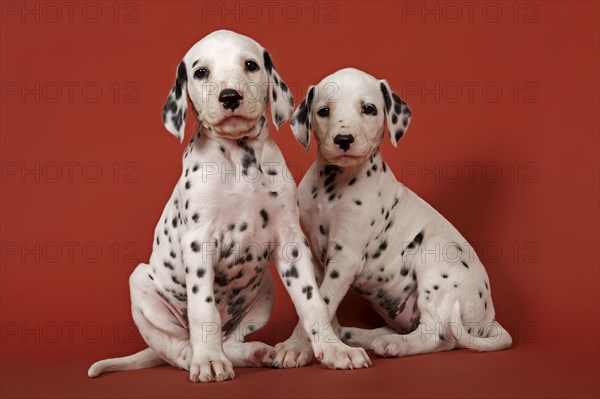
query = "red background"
{"x": 535, "y": 226}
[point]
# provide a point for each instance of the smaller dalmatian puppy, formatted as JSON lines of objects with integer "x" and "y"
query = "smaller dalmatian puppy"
{"x": 208, "y": 284}
{"x": 373, "y": 234}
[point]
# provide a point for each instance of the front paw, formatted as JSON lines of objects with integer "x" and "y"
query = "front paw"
{"x": 389, "y": 346}
{"x": 341, "y": 356}
{"x": 209, "y": 368}
{"x": 295, "y": 352}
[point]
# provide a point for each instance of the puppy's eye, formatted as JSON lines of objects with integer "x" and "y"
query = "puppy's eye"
{"x": 251, "y": 66}
{"x": 323, "y": 112}
{"x": 369, "y": 109}
{"x": 200, "y": 73}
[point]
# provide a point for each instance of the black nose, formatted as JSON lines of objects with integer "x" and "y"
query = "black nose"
{"x": 344, "y": 141}
{"x": 230, "y": 99}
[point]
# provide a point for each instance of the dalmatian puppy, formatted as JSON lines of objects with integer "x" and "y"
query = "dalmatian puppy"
{"x": 233, "y": 210}
{"x": 373, "y": 234}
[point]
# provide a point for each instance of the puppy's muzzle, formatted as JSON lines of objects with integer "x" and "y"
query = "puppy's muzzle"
{"x": 230, "y": 99}
{"x": 344, "y": 141}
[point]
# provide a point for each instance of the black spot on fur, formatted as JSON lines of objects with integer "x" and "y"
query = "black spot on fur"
{"x": 278, "y": 118}
{"x": 265, "y": 218}
{"x": 309, "y": 97}
{"x": 416, "y": 241}
{"x": 268, "y": 62}
{"x": 168, "y": 265}
{"x": 302, "y": 115}
{"x": 200, "y": 272}
{"x": 399, "y": 134}
{"x": 308, "y": 291}
{"x": 195, "y": 246}
{"x": 249, "y": 157}
{"x": 292, "y": 272}
{"x": 334, "y": 274}
{"x": 386, "y": 96}
{"x": 221, "y": 279}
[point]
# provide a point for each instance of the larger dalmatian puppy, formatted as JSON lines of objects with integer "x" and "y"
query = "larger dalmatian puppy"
{"x": 373, "y": 234}
{"x": 207, "y": 284}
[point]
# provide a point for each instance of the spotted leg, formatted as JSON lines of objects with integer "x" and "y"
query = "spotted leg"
{"x": 155, "y": 318}
{"x": 209, "y": 362}
{"x": 295, "y": 351}
{"x": 425, "y": 339}
{"x": 296, "y": 269}
{"x": 252, "y": 354}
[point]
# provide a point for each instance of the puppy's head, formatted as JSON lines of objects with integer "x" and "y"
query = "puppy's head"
{"x": 347, "y": 111}
{"x": 229, "y": 79}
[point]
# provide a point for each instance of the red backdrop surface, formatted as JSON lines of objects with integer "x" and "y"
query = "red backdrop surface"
{"x": 504, "y": 142}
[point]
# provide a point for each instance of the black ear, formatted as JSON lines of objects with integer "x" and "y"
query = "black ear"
{"x": 280, "y": 97}
{"x": 397, "y": 113}
{"x": 302, "y": 120}
{"x": 175, "y": 109}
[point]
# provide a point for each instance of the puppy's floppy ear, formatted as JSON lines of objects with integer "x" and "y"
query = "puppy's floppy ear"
{"x": 397, "y": 113}
{"x": 280, "y": 97}
{"x": 175, "y": 110}
{"x": 302, "y": 120}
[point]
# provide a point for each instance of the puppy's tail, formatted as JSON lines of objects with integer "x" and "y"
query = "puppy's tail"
{"x": 500, "y": 341}
{"x": 143, "y": 359}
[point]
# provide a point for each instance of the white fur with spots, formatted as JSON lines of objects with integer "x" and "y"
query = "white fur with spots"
{"x": 373, "y": 234}
{"x": 233, "y": 210}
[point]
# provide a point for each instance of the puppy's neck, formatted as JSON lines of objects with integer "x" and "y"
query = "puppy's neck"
{"x": 258, "y": 135}
{"x": 372, "y": 166}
